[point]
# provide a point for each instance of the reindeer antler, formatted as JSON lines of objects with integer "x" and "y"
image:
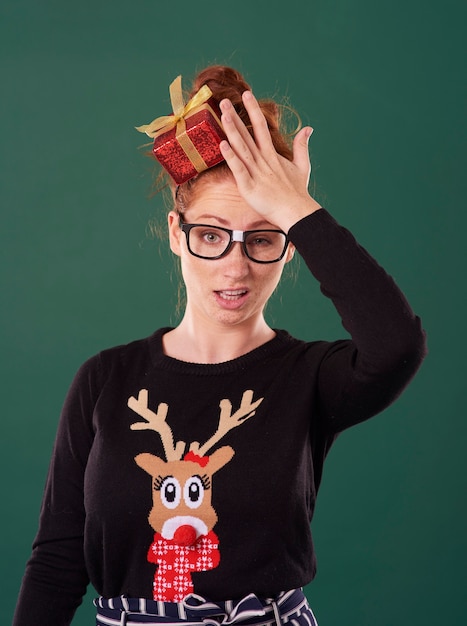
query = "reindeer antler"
{"x": 156, "y": 422}
{"x": 228, "y": 421}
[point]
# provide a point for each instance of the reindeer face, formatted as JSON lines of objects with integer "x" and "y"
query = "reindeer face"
{"x": 182, "y": 508}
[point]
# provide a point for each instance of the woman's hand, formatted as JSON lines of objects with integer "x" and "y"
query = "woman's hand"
{"x": 271, "y": 184}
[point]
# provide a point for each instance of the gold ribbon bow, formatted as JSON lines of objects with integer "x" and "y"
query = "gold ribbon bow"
{"x": 180, "y": 111}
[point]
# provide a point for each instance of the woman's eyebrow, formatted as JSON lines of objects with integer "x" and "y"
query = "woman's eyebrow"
{"x": 209, "y": 216}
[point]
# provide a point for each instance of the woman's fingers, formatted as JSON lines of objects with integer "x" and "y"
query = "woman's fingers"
{"x": 258, "y": 122}
{"x": 237, "y": 134}
{"x": 301, "y": 155}
{"x": 240, "y": 170}
{"x": 260, "y": 143}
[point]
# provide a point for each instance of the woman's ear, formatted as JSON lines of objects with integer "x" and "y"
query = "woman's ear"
{"x": 175, "y": 232}
{"x": 290, "y": 252}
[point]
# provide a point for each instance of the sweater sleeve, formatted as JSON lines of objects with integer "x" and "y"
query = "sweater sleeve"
{"x": 359, "y": 377}
{"x": 55, "y": 579}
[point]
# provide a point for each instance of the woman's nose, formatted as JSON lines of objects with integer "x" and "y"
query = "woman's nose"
{"x": 236, "y": 263}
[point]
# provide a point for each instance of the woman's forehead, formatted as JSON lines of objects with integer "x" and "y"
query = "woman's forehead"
{"x": 220, "y": 201}
{"x": 213, "y": 190}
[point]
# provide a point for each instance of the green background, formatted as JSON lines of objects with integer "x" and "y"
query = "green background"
{"x": 382, "y": 83}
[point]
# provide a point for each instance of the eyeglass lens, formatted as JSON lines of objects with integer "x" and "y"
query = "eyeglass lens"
{"x": 260, "y": 245}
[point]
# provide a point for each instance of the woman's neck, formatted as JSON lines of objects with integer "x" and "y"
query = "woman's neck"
{"x": 211, "y": 343}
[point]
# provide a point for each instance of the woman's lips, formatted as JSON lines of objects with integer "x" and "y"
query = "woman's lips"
{"x": 231, "y": 298}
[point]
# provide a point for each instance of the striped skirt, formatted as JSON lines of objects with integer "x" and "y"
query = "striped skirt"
{"x": 288, "y": 608}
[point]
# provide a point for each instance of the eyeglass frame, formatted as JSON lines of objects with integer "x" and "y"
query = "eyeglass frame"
{"x": 234, "y": 236}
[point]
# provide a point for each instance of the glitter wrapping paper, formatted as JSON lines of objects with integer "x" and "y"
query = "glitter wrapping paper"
{"x": 204, "y": 132}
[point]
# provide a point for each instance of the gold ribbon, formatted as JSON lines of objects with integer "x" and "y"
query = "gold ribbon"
{"x": 181, "y": 110}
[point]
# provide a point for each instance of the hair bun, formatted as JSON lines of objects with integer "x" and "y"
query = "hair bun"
{"x": 223, "y": 81}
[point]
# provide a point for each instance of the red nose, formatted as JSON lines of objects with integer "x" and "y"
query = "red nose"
{"x": 185, "y": 535}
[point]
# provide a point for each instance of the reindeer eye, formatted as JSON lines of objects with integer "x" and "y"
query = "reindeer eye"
{"x": 171, "y": 492}
{"x": 193, "y": 492}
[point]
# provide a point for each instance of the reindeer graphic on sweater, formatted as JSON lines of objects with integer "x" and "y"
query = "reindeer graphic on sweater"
{"x": 182, "y": 514}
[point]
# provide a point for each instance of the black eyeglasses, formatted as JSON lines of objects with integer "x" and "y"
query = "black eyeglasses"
{"x": 213, "y": 242}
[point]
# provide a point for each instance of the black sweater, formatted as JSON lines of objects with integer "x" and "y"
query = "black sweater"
{"x": 256, "y": 503}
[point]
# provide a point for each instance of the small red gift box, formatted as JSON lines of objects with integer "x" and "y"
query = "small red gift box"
{"x": 187, "y": 142}
{"x": 204, "y": 130}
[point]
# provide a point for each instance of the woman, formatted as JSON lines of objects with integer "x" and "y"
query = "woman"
{"x": 186, "y": 466}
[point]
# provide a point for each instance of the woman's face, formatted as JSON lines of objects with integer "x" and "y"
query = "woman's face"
{"x": 232, "y": 290}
